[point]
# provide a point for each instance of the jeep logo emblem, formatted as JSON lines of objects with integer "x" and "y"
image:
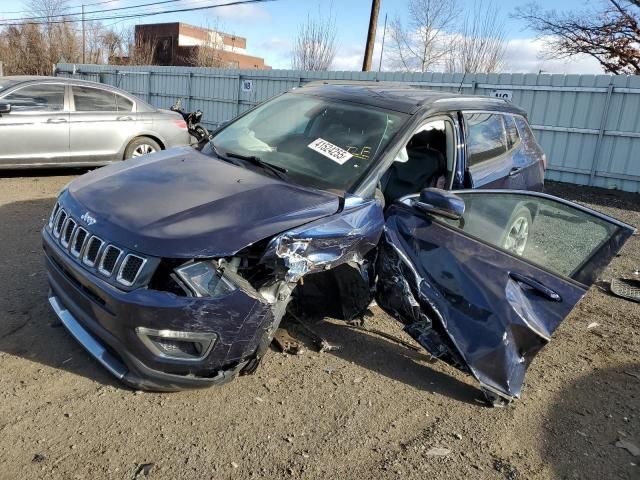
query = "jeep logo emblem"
{"x": 88, "y": 219}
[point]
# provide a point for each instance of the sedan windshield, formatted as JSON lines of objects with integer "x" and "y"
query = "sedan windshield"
{"x": 320, "y": 143}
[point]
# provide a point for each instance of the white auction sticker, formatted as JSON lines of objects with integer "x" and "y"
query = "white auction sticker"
{"x": 330, "y": 150}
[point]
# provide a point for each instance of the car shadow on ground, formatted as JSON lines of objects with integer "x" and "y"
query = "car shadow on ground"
{"x": 44, "y": 172}
{"x": 588, "y": 420}
{"x": 28, "y": 327}
{"x": 390, "y": 359}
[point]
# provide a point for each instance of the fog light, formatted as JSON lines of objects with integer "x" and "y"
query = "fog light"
{"x": 176, "y": 345}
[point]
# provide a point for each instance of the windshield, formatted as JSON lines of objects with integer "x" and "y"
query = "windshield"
{"x": 6, "y": 83}
{"x": 324, "y": 144}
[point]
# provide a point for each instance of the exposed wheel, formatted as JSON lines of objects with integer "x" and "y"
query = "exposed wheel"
{"x": 516, "y": 234}
{"x": 141, "y": 146}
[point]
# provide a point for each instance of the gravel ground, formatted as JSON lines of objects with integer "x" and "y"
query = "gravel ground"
{"x": 374, "y": 409}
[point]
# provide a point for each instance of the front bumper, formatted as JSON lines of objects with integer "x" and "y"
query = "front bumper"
{"x": 103, "y": 319}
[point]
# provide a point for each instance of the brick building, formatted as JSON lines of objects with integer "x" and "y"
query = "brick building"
{"x": 179, "y": 44}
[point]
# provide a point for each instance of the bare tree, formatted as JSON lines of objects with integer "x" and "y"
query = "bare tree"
{"x": 315, "y": 45}
{"x": 479, "y": 45}
{"x": 610, "y": 33}
{"x": 209, "y": 54}
{"x": 21, "y": 50}
{"x": 141, "y": 50}
{"x": 51, "y": 12}
{"x": 423, "y": 43}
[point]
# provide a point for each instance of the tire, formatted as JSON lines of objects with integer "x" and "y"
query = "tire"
{"x": 141, "y": 146}
{"x": 516, "y": 234}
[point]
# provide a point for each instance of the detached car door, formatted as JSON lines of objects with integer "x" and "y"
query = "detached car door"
{"x": 485, "y": 291}
{"x": 36, "y": 130}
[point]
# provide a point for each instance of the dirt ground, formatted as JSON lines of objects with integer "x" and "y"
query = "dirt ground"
{"x": 373, "y": 409}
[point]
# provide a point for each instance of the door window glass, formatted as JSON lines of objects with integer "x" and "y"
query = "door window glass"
{"x": 486, "y": 137}
{"x": 37, "y": 98}
{"x": 512, "y": 131}
{"x": 124, "y": 104}
{"x": 94, "y": 100}
{"x": 544, "y": 231}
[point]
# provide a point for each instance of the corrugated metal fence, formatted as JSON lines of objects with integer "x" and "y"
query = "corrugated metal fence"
{"x": 589, "y": 125}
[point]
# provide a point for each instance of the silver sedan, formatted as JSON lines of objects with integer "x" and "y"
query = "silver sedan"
{"x": 55, "y": 122}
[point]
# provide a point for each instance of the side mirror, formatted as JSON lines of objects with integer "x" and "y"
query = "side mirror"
{"x": 5, "y": 107}
{"x": 440, "y": 202}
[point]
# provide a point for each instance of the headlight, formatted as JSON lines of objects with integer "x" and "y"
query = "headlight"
{"x": 204, "y": 279}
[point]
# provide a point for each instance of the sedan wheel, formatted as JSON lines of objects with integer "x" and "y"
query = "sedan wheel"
{"x": 517, "y": 234}
{"x": 143, "y": 150}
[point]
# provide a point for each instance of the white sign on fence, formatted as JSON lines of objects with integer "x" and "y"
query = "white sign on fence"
{"x": 505, "y": 94}
{"x": 247, "y": 85}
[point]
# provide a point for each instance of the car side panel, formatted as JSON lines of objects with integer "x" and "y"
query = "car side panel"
{"x": 99, "y": 136}
{"x": 528, "y": 157}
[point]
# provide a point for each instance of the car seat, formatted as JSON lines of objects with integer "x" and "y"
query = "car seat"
{"x": 423, "y": 168}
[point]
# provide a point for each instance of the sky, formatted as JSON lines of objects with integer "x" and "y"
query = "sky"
{"x": 270, "y": 28}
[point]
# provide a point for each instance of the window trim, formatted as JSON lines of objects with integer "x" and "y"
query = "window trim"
{"x": 65, "y": 99}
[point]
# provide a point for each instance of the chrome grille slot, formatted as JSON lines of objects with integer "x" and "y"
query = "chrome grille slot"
{"x": 78, "y": 240}
{"x": 130, "y": 269}
{"x": 54, "y": 212}
{"x": 67, "y": 232}
{"x": 60, "y": 219}
{"x": 101, "y": 257}
{"x": 109, "y": 260}
{"x": 91, "y": 252}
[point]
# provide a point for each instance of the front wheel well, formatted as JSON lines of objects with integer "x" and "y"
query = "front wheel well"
{"x": 152, "y": 137}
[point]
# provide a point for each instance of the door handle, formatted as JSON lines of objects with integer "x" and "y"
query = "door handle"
{"x": 125, "y": 118}
{"x": 537, "y": 286}
{"x": 514, "y": 171}
{"x": 57, "y": 120}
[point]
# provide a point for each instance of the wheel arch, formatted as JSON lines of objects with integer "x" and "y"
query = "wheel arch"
{"x": 150, "y": 135}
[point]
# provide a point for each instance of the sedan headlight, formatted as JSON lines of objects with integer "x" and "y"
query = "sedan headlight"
{"x": 205, "y": 279}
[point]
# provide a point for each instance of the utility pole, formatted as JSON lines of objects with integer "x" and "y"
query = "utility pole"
{"x": 84, "y": 36}
{"x": 371, "y": 35}
{"x": 384, "y": 34}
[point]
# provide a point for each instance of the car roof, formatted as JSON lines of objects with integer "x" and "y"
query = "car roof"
{"x": 14, "y": 80}
{"x": 405, "y": 98}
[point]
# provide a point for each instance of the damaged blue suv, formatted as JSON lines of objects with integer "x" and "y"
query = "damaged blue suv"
{"x": 174, "y": 270}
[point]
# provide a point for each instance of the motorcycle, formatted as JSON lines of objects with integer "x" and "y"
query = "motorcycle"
{"x": 193, "y": 120}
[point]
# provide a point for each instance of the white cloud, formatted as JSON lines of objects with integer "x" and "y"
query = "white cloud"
{"x": 242, "y": 13}
{"x": 276, "y": 51}
{"x": 525, "y": 56}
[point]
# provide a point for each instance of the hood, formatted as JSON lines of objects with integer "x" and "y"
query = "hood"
{"x": 181, "y": 203}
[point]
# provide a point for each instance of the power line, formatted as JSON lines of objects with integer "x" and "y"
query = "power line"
{"x": 44, "y": 17}
{"x": 65, "y": 8}
{"x": 135, "y": 15}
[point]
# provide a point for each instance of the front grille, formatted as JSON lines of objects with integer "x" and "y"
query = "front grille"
{"x": 129, "y": 270}
{"x": 91, "y": 252}
{"x": 67, "y": 232}
{"x": 109, "y": 260}
{"x": 120, "y": 266}
{"x": 78, "y": 240}
{"x": 62, "y": 216}
{"x": 52, "y": 218}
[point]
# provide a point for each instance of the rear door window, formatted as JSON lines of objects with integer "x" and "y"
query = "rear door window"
{"x": 124, "y": 104}
{"x": 486, "y": 137}
{"x": 89, "y": 99}
{"x": 37, "y": 98}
